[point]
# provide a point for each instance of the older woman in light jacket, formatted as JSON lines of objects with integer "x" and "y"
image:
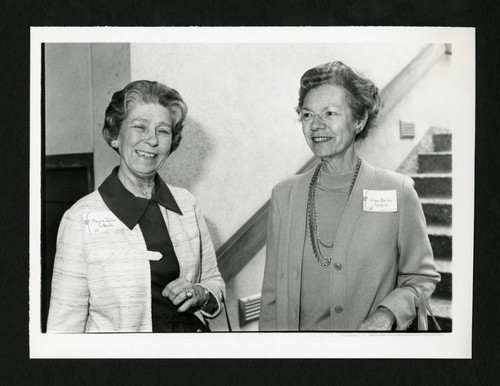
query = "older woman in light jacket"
{"x": 136, "y": 255}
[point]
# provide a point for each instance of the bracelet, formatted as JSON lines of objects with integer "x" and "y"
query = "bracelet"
{"x": 207, "y": 294}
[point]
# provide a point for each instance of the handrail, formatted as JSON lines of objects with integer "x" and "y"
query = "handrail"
{"x": 241, "y": 247}
{"x": 247, "y": 241}
{"x": 410, "y": 75}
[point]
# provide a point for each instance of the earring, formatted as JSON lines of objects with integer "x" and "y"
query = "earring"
{"x": 114, "y": 143}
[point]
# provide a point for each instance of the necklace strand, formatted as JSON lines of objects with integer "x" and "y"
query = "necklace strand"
{"x": 312, "y": 215}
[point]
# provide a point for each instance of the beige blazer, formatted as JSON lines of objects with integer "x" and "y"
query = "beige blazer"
{"x": 102, "y": 280}
{"x": 379, "y": 253}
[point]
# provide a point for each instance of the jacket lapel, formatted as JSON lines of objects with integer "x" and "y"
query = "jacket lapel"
{"x": 298, "y": 229}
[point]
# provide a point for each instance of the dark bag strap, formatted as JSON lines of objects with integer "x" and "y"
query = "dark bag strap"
{"x": 227, "y": 316}
{"x": 423, "y": 307}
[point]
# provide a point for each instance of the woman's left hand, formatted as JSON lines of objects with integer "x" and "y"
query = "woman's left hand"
{"x": 182, "y": 292}
{"x": 381, "y": 320}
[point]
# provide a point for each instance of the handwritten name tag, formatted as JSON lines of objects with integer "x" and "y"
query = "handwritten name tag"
{"x": 380, "y": 201}
{"x": 102, "y": 222}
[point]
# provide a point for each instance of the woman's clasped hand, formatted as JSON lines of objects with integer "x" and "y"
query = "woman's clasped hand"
{"x": 186, "y": 296}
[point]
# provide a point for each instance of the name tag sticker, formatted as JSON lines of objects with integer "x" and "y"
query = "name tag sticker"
{"x": 101, "y": 222}
{"x": 380, "y": 201}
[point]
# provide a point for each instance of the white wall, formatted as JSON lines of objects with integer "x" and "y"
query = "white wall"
{"x": 110, "y": 73}
{"x": 68, "y": 99}
{"x": 79, "y": 82}
{"x": 426, "y": 105}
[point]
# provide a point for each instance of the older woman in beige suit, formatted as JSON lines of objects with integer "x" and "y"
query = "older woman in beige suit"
{"x": 136, "y": 255}
{"x": 347, "y": 242}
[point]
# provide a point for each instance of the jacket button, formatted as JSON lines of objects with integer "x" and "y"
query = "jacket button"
{"x": 337, "y": 266}
{"x": 339, "y": 309}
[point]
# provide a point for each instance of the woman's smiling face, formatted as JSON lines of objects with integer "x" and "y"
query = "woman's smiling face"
{"x": 144, "y": 140}
{"x": 327, "y": 122}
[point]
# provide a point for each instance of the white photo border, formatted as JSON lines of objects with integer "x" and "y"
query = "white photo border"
{"x": 455, "y": 344}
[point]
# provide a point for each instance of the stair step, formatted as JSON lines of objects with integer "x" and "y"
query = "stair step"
{"x": 437, "y": 211}
{"x": 432, "y": 184}
{"x": 440, "y": 237}
{"x": 444, "y": 288}
{"x": 446, "y": 324}
{"x": 445, "y": 201}
{"x": 434, "y": 162}
{"x": 434, "y": 187}
{"x": 441, "y": 245}
{"x": 443, "y": 265}
{"x": 438, "y": 230}
{"x": 440, "y": 307}
{"x": 442, "y": 141}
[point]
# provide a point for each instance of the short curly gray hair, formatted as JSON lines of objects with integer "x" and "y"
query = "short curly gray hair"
{"x": 144, "y": 91}
{"x": 362, "y": 95}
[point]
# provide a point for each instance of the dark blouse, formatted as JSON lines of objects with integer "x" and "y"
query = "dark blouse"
{"x": 132, "y": 210}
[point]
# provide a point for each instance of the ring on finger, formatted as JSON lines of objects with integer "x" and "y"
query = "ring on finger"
{"x": 189, "y": 294}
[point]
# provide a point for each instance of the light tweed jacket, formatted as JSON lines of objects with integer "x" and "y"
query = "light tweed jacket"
{"x": 102, "y": 281}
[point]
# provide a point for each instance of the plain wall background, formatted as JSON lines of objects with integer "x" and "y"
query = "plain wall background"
{"x": 68, "y": 99}
{"x": 241, "y": 136}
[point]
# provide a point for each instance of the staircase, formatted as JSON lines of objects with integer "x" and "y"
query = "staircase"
{"x": 434, "y": 187}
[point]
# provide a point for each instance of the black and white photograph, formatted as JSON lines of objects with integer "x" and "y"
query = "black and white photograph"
{"x": 313, "y": 187}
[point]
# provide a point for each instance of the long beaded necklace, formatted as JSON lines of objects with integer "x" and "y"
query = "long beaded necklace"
{"x": 312, "y": 216}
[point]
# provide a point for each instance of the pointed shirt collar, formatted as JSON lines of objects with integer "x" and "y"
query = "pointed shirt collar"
{"x": 128, "y": 208}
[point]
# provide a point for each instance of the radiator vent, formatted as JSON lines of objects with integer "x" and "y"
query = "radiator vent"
{"x": 407, "y": 129}
{"x": 249, "y": 308}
